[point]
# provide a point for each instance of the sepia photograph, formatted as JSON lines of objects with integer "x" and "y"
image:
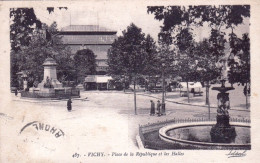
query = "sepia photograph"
{"x": 96, "y": 81}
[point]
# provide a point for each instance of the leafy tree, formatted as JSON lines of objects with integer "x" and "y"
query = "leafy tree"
{"x": 151, "y": 61}
{"x": 240, "y": 64}
{"x": 206, "y": 68}
{"x": 128, "y": 55}
{"x": 218, "y": 18}
{"x": 116, "y": 57}
{"x": 116, "y": 61}
{"x": 151, "y": 56}
{"x": 177, "y": 20}
{"x": 186, "y": 69}
{"x": 209, "y": 52}
{"x": 31, "y": 57}
{"x": 85, "y": 64}
{"x": 186, "y": 64}
{"x": 22, "y": 26}
{"x": 31, "y": 42}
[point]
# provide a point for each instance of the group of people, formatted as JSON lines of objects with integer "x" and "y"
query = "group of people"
{"x": 159, "y": 111}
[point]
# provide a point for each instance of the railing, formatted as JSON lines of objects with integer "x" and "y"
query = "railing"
{"x": 150, "y": 127}
{"x": 57, "y": 94}
{"x": 186, "y": 120}
{"x": 37, "y": 95}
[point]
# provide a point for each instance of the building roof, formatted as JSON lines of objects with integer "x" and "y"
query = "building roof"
{"x": 88, "y": 39}
{"x": 85, "y": 28}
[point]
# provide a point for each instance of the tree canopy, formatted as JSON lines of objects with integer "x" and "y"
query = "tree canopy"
{"x": 31, "y": 57}
{"x": 151, "y": 57}
{"x": 23, "y": 23}
{"x": 240, "y": 63}
{"x": 178, "y": 21}
{"x": 132, "y": 55}
{"x": 85, "y": 64}
{"x": 128, "y": 54}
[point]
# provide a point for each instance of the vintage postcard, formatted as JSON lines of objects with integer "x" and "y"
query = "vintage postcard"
{"x": 124, "y": 81}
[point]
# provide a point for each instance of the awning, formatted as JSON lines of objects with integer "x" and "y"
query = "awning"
{"x": 97, "y": 79}
{"x": 103, "y": 79}
{"x": 191, "y": 84}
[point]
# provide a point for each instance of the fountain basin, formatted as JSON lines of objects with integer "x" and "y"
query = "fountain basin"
{"x": 197, "y": 135}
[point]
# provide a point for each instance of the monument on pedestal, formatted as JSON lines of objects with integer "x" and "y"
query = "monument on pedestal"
{"x": 50, "y": 73}
{"x": 50, "y": 87}
{"x": 50, "y": 82}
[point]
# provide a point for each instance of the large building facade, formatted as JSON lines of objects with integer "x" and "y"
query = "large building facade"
{"x": 93, "y": 37}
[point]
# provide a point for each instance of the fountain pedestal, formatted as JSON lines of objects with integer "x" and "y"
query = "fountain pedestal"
{"x": 222, "y": 132}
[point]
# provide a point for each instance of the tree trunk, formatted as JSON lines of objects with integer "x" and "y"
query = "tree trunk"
{"x": 207, "y": 98}
{"x": 163, "y": 90}
{"x": 188, "y": 92}
{"x": 209, "y": 109}
{"x": 135, "y": 95}
{"x": 124, "y": 83}
{"x": 207, "y": 93}
{"x": 147, "y": 84}
{"x": 246, "y": 97}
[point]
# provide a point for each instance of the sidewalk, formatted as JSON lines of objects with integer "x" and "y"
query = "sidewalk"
{"x": 237, "y": 101}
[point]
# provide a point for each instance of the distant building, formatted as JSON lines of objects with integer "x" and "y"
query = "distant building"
{"x": 93, "y": 37}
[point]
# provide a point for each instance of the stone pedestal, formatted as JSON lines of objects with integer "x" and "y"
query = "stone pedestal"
{"x": 222, "y": 132}
{"x": 50, "y": 74}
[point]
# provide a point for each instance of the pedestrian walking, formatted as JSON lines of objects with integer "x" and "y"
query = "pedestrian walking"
{"x": 245, "y": 91}
{"x": 158, "y": 108}
{"x": 69, "y": 104}
{"x": 15, "y": 92}
{"x": 152, "y": 111}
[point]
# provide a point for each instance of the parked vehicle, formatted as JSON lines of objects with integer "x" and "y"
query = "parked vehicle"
{"x": 173, "y": 86}
{"x": 194, "y": 88}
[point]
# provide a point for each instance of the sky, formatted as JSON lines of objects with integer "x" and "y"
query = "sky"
{"x": 115, "y": 17}
{"x": 111, "y": 17}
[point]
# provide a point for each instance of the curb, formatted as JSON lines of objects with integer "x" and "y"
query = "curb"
{"x": 35, "y": 100}
{"x": 139, "y": 142}
{"x": 183, "y": 103}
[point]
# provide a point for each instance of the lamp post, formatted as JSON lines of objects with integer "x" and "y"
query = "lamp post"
{"x": 163, "y": 90}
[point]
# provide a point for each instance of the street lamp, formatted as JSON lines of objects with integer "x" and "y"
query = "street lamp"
{"x": 163, "y": 90}
{"x": 23, "y": 82}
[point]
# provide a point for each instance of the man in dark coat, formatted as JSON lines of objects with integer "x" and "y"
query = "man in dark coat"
{"x": 16, "y": 92}
{"x": 152, "y": 112}
{"x": 69, "y": 104}
{"x": 158, "y": 108}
